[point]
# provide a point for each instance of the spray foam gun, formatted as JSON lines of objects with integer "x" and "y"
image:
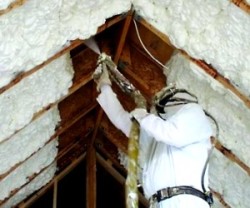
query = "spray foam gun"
{"x": 131, "y": 189}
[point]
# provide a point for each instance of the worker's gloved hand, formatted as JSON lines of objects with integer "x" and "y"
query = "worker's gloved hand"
{"x": 101, "y": 77}
{"x": 138, "y": 114}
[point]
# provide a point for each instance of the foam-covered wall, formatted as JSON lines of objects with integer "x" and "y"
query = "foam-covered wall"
{"x": 200, "y": 27}
{"x": 42, "y": 179}
{"x": 217, "y": 32}
{"x": 31, "y": 32}
{"x": 43, "y": 28}
{"x": 5, "y": 4}
{"x": 224, "y": 106}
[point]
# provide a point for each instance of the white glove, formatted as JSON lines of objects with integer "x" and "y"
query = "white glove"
{"x": 101, "y": 77}
{"x": 139, "y": 114}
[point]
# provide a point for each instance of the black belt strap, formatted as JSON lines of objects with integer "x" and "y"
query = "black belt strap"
{"x": 169, "y": 192}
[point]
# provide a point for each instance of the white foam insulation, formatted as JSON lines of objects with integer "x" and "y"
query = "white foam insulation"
{"x": 33, "y": 165}
{"x": 42, "y": 179}
{"x": 45, "y": 27}
{"x": 214, "y": 31}
{"x": 4, "y": 4}
{"x": 232, "y": 117}
{"x": 42, "y": 29}
{"x": 28, "y": 140}
{"x": 20, "y": 102}
{"x": 229, "y": 180}
{"x": 217, "y": 32}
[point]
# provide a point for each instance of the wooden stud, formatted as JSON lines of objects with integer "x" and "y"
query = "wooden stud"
{"x": 55, "y": 191}
{"x": 123, "y": 36}
{"x": 43, "y": 190}
{"x": 12, "y": 6}
{"x": 91, "y": 166}
{"x": 242, "y": 4}
{"x": 118, "y": 176}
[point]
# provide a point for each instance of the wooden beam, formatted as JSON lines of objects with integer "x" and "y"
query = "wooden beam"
{"x": 108, "y": 167}
{"x": 13, "y": 5}
{"x": 55, "y": 192}
{"x": 91, "y": 178}
{"x": 58, "y": 177}
{"x": 123, "y": 36}
{"x": 91, "y": 167}
{"x": 243, "y": 5}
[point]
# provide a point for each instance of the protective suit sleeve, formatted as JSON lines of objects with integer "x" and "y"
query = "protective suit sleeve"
{"x": 186, "y": 126}
{"x": 114, "y": 110}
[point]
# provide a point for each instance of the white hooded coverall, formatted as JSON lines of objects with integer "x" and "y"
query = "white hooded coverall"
{"x": 172, "y": 151}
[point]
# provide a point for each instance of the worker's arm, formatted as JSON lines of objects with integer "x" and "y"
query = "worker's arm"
{"x": 114, "y": 110}
{"x": 187, "y": 126}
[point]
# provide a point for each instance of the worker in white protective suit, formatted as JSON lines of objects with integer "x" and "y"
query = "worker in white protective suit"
{"x": 173, "y": 150}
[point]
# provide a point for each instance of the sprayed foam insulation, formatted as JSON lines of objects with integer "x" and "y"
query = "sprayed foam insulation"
{"x": 218, "y": 101}
{"x": 233, "y": 120}
{"x": 20, "y": 102}
{"x": 5, "y": 3}
{"x": 28, "y": 140}
{"x": 228, "y": 179}
{"x": 200, "y": 27}
{"x": 33, "y": 165}
{"x": 39, "y": 181}
{"x": 45, "y": 27}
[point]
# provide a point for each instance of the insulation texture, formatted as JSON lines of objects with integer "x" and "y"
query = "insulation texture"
{"x": 229, "y": 180}
{"x": 45, "y": 27}
{"x": 19, "y": 103}
{"x": 215, "y": 31}
{"x": 28, "y": 140}
{"x": 5, "y": 3}
{"x": 41, "y": 180}
{"x": 233, "y": 118}
{"x": 221, "y": 103}
{"x": 33, "y": 165}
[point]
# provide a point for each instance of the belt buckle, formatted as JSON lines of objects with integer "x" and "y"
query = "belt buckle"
{"x": 163, "y": 194}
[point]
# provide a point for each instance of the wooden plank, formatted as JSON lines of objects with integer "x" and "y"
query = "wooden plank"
{"x": 13, "y": 5}
{"x": 243, "y": 5}
{"x": 55, "y": 193}
{"x": 91, "y": 177}
{"x": 123, "y": 36}
{"x": 151, "y": 28}
{"x": 119, "y": 177}
{"x": 154, "y": 44}
{"x": 91, "y": 166}
{"x": 28, "y": 202}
